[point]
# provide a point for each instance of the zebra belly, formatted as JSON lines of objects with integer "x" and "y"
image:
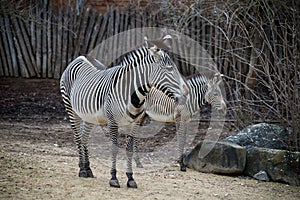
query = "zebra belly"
{"x": 100, "y": 118}
{"x": 94, "y": 118}
{"x": 161, "y": 118}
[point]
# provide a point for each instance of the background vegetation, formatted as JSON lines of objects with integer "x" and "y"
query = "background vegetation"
{"x": 255, "y": 44}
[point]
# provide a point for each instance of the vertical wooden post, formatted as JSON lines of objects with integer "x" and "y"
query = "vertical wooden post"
{"x": 11, "y": 48}
{"x": 88, "y": 32}
{"x": 65, "y": 32}
{"x": 44, "y": 41}
{"x": 6, "y": 54}
{"x": 58, "y": 61}
{"x": 94, "y": 33}
{"x": 49, "y": 42}
{"x": 38, "y": 32}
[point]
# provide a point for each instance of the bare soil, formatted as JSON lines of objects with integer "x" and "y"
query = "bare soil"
{"x": 38, "y": 157}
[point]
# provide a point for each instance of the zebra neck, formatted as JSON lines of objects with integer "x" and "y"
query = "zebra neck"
{"x": 197, "y": 96}
{"x": 137, "y": 100}
{"x": 136, "y": 58}
{"x": 139, "y": 95}
{"x": 201, "y": 97}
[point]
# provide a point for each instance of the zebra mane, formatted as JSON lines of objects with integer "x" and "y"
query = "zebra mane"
{"x": 162, "y": 44}
{"x": 127, "y": 57}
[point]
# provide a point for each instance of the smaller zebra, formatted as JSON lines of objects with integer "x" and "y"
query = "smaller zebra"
{"x": 160, "y": 107}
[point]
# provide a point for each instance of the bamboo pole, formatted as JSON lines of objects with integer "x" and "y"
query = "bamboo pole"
{"x": 88, "y": 32}
{"x": 103, "y": 27}
{"x": 6, "y": 54}
{"x": 22, "y": 37}
{"x": 58, "y": 63}
{"x": 100, "y": 36}
{"x": 23, "y": 69}
{"x": 49, "y": 42}
{"x": 65, "y": 32}
{"x": 116, "y": 41}
{"x": 94, "y": 33}
{"x": 12, "y": 51}
{"x": 38, "y": 33}
{"x": 44, "y": 41}
{"x": 122, "y": 46}
{"x": 126, "y": 42}
{"x": 3, "y": 67}
{"x": 72, "y": 33}
{"x": 54, "y": 30}
{"x": 26, "y": 41}
{"x": 81, "y": 32}
{"x": 110, "y": 34}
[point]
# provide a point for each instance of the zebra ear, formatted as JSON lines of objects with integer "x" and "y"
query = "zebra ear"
{"x": 146, "y": 41}
{"x": 167, "y": 41}
{"x": 154, "y": 51}
{"x": 214, "y": 80}
{"x": 217, "y": 79}
{"x": 220, "y": 79}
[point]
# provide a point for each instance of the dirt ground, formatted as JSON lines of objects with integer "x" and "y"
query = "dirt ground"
{"x": 38, "y": 157}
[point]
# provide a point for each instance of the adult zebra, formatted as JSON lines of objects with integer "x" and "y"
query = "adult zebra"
{"x": 160, "y": 107}
{"x": 115, "y": 97}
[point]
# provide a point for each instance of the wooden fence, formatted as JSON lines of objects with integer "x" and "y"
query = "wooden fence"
{"x": 41, "y": 42}
{"x": 38, "y": 41}
{"x": 258, "y": 52}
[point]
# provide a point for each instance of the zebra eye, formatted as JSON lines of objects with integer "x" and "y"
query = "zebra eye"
{"x": 168, "y": 67}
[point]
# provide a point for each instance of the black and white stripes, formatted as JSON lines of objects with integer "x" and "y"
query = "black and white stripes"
{"x": 115, "y": 96}
{"x": 162, "y": 108}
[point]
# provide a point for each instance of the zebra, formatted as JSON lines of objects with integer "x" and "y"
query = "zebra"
{"x": 115, "y": 97}
{"x": 160, "y": 107}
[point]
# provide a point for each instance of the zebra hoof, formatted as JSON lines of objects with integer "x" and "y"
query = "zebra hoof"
{"x": 131, "y": 184}
{"x": 89, "y": 173}
{"x": 183, "y": 168}
{"x": 114, "y": 183}
{"x": 181, "y": 164}
{"x": 86, "y": 173}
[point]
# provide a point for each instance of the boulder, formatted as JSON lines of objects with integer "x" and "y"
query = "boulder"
{"x": 260, "y": 135}
{"x": 279, "y": 165}
{"x": 267, "y": 155}
{"x": 223, "y": 158}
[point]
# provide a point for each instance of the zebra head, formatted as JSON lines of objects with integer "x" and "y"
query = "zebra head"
{"x": 165, "y": 75}
{"x": 214, "y": 95}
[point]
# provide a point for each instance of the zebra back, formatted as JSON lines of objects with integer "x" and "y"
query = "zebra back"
{"x": 86, "y": 89}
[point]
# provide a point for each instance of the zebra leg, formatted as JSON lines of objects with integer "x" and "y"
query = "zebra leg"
{"x": 85, "y": 171}
{"x": 135, "y": 128}
{"x": 129, "y": 152}
{"x": 181, "y": 137}
{"x": 75, "y": 121}
{"x": 75, "y": 124}
{"x": 113, "y": 132}
{"x": 136, "y": 153}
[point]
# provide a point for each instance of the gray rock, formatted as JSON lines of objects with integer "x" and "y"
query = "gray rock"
{"x": 224, "y": 158}
{"x": 280, "y": 165}
{"x": 260, "y": 135}
{"x": 262, "y": 176}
